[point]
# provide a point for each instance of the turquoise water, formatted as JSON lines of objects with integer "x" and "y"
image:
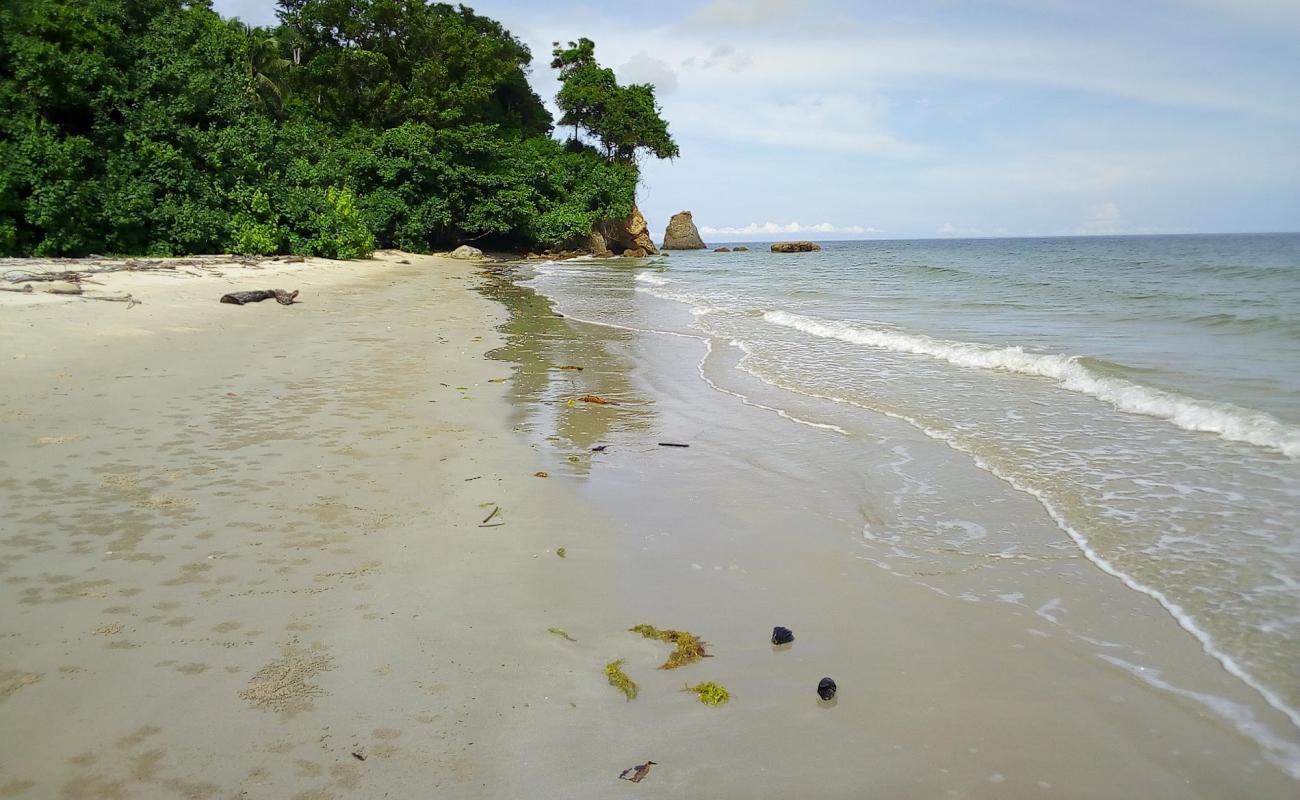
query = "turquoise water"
{"x": 1143, "y": 389}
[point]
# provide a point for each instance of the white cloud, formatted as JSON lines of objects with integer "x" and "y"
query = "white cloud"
{"x": 643, "y": 68}
{"x": 778, "y": 228}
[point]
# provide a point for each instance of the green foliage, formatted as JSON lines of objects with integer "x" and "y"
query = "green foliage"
{"x": 339, "y": 231}
{"x": 156, "y": 126}
{"x": 625, "y": 120}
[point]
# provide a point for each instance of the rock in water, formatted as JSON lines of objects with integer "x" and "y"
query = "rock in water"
{"x": 740, "y": 248}
{"x": 722, "y": 249}
{"x": 826, "y": 689}
{"x": 795, "y": 247}
{"x": 682, "y": 234}
{"x": 782, "y": 635}
{"x": 465, "y": 251}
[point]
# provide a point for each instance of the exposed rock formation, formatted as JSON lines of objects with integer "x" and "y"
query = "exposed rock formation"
{"x": 795, "y": 247}
{"x": 624, "y": 234}
{"x": 740, "y": 248}
{"x": 596, "y": 243}
{"x": 634, "y": 252}
{"x": 465, "y": 251}
{"x": 722, "y": 249}
{"x": 682, "y": 234}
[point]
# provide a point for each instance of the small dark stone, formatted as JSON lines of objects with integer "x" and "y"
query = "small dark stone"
{"x": 826, "y": 689}
{"x": 782, "y": 635}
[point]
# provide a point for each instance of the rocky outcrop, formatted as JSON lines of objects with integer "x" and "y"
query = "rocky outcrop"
{"x": 618, "y": 235}
{"x": 596, "y": 243}
{"x": 740, "y": 248}
{"x": 722, "y": 249}
{"x": 634, "y": 252}
{"x": 795, "y": 247}
{"x": 465, "y": 251}
{"x": 682, "y": 234}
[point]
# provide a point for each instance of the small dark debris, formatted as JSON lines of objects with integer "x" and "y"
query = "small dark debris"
{"x": 358, "y": 755}
{"x": 782, "y": 635}
{"x": 672, "y": 444}
{"x": 600, "y": 448}
{"x": 826, "y": 689}
{"x": 636, "y": 774}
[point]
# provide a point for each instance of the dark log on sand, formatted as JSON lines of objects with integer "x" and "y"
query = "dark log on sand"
{"x": 281, "y": 296}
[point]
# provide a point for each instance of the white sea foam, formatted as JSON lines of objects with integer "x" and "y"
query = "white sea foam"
{"x": 651, "y": 279}
{"x": 1228, "y": 421}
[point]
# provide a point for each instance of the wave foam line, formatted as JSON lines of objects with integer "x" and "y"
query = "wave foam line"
{"x": 1185, "y": 620}
{"x": 1228, "y": 421}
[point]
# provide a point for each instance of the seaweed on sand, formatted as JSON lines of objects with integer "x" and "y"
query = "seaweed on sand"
{"x": 690, "y": 648}
{"x": 710, "y": 693}
{"x": 562, "y": 633}
{"x": 619, "y": 679}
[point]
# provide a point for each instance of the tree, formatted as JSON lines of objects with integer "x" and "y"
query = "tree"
{"x": 625, "y": 120}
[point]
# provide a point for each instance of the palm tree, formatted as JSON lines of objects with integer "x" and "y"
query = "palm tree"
{"x": 265, "y": 63}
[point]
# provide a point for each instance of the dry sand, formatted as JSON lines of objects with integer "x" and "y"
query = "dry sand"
{"x": 242, "y": 555}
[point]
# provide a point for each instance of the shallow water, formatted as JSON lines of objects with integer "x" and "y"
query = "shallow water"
{"x": 1140, "y": 390}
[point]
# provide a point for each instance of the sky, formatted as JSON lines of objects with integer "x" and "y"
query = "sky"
{"x": 948, "y": 118}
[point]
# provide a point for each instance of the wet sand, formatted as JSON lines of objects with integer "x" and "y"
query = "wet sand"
{"x": 241, "y": 555}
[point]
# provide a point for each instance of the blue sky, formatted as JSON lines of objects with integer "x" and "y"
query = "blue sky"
{"x": 825, "y": 119}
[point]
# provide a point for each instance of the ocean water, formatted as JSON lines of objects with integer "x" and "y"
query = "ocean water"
{"x": 1145, "y": 391}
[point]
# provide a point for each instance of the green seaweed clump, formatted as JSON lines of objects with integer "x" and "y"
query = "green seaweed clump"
{"x": 619, "y": 679}
{"x": 710, "y": 693}
{"x": 690, "y": 648}
{"x": 562, "y": 633}
{"x": 561, "y": 552}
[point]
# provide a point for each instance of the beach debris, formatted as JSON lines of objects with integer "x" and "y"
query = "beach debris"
{"x": 710, "y": 693}
{"x": 358, "y": 755}
{"x": 690, "y": 648}
{"x": 619, "y": 679}
{"x": 495, "y": 510}
{"x": 600, "y": 448}
{"x": 673, "y": 444}
{"x": 637, "y": 774}
{"x": 541, "y": 474}
{"x": 826, "y": 689}
{"x": 561, "y": 552}
{"x": 782, "y": 635}
{"x": 476, "y": 477}
{"x": 596, "y": 400}
{"x": 240, "y": 298}
{"x": 571, "y": 368}
{"x": 562, "y": 633}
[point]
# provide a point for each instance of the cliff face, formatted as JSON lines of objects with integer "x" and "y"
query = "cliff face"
{"x": 624, "y": 234}
{"x": 682, "y": 233}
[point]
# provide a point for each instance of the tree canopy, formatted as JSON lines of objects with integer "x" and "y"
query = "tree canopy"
{"x": 625, "y": 120}
{"x": 157, "y": 126}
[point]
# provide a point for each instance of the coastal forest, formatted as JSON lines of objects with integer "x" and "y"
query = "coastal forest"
{"x": 158, "y": 127}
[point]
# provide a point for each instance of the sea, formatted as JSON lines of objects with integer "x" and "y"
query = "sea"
{"x": 1144, "y": 391}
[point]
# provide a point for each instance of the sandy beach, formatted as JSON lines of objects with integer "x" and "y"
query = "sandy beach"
{"x": 256, "y": 552}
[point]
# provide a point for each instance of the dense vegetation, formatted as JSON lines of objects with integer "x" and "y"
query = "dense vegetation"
{"x": 158, "y": 127}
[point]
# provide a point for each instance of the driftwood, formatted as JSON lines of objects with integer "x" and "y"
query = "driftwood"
{"x": 240, "y": 298}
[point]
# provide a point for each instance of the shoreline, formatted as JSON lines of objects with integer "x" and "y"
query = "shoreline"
{"x": 252, "y": 537}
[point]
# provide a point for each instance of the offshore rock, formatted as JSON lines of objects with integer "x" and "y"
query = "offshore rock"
{"x": 795, "y": 247}
{"x": 634, "y": 252}
{"x": 682, "y": 233}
